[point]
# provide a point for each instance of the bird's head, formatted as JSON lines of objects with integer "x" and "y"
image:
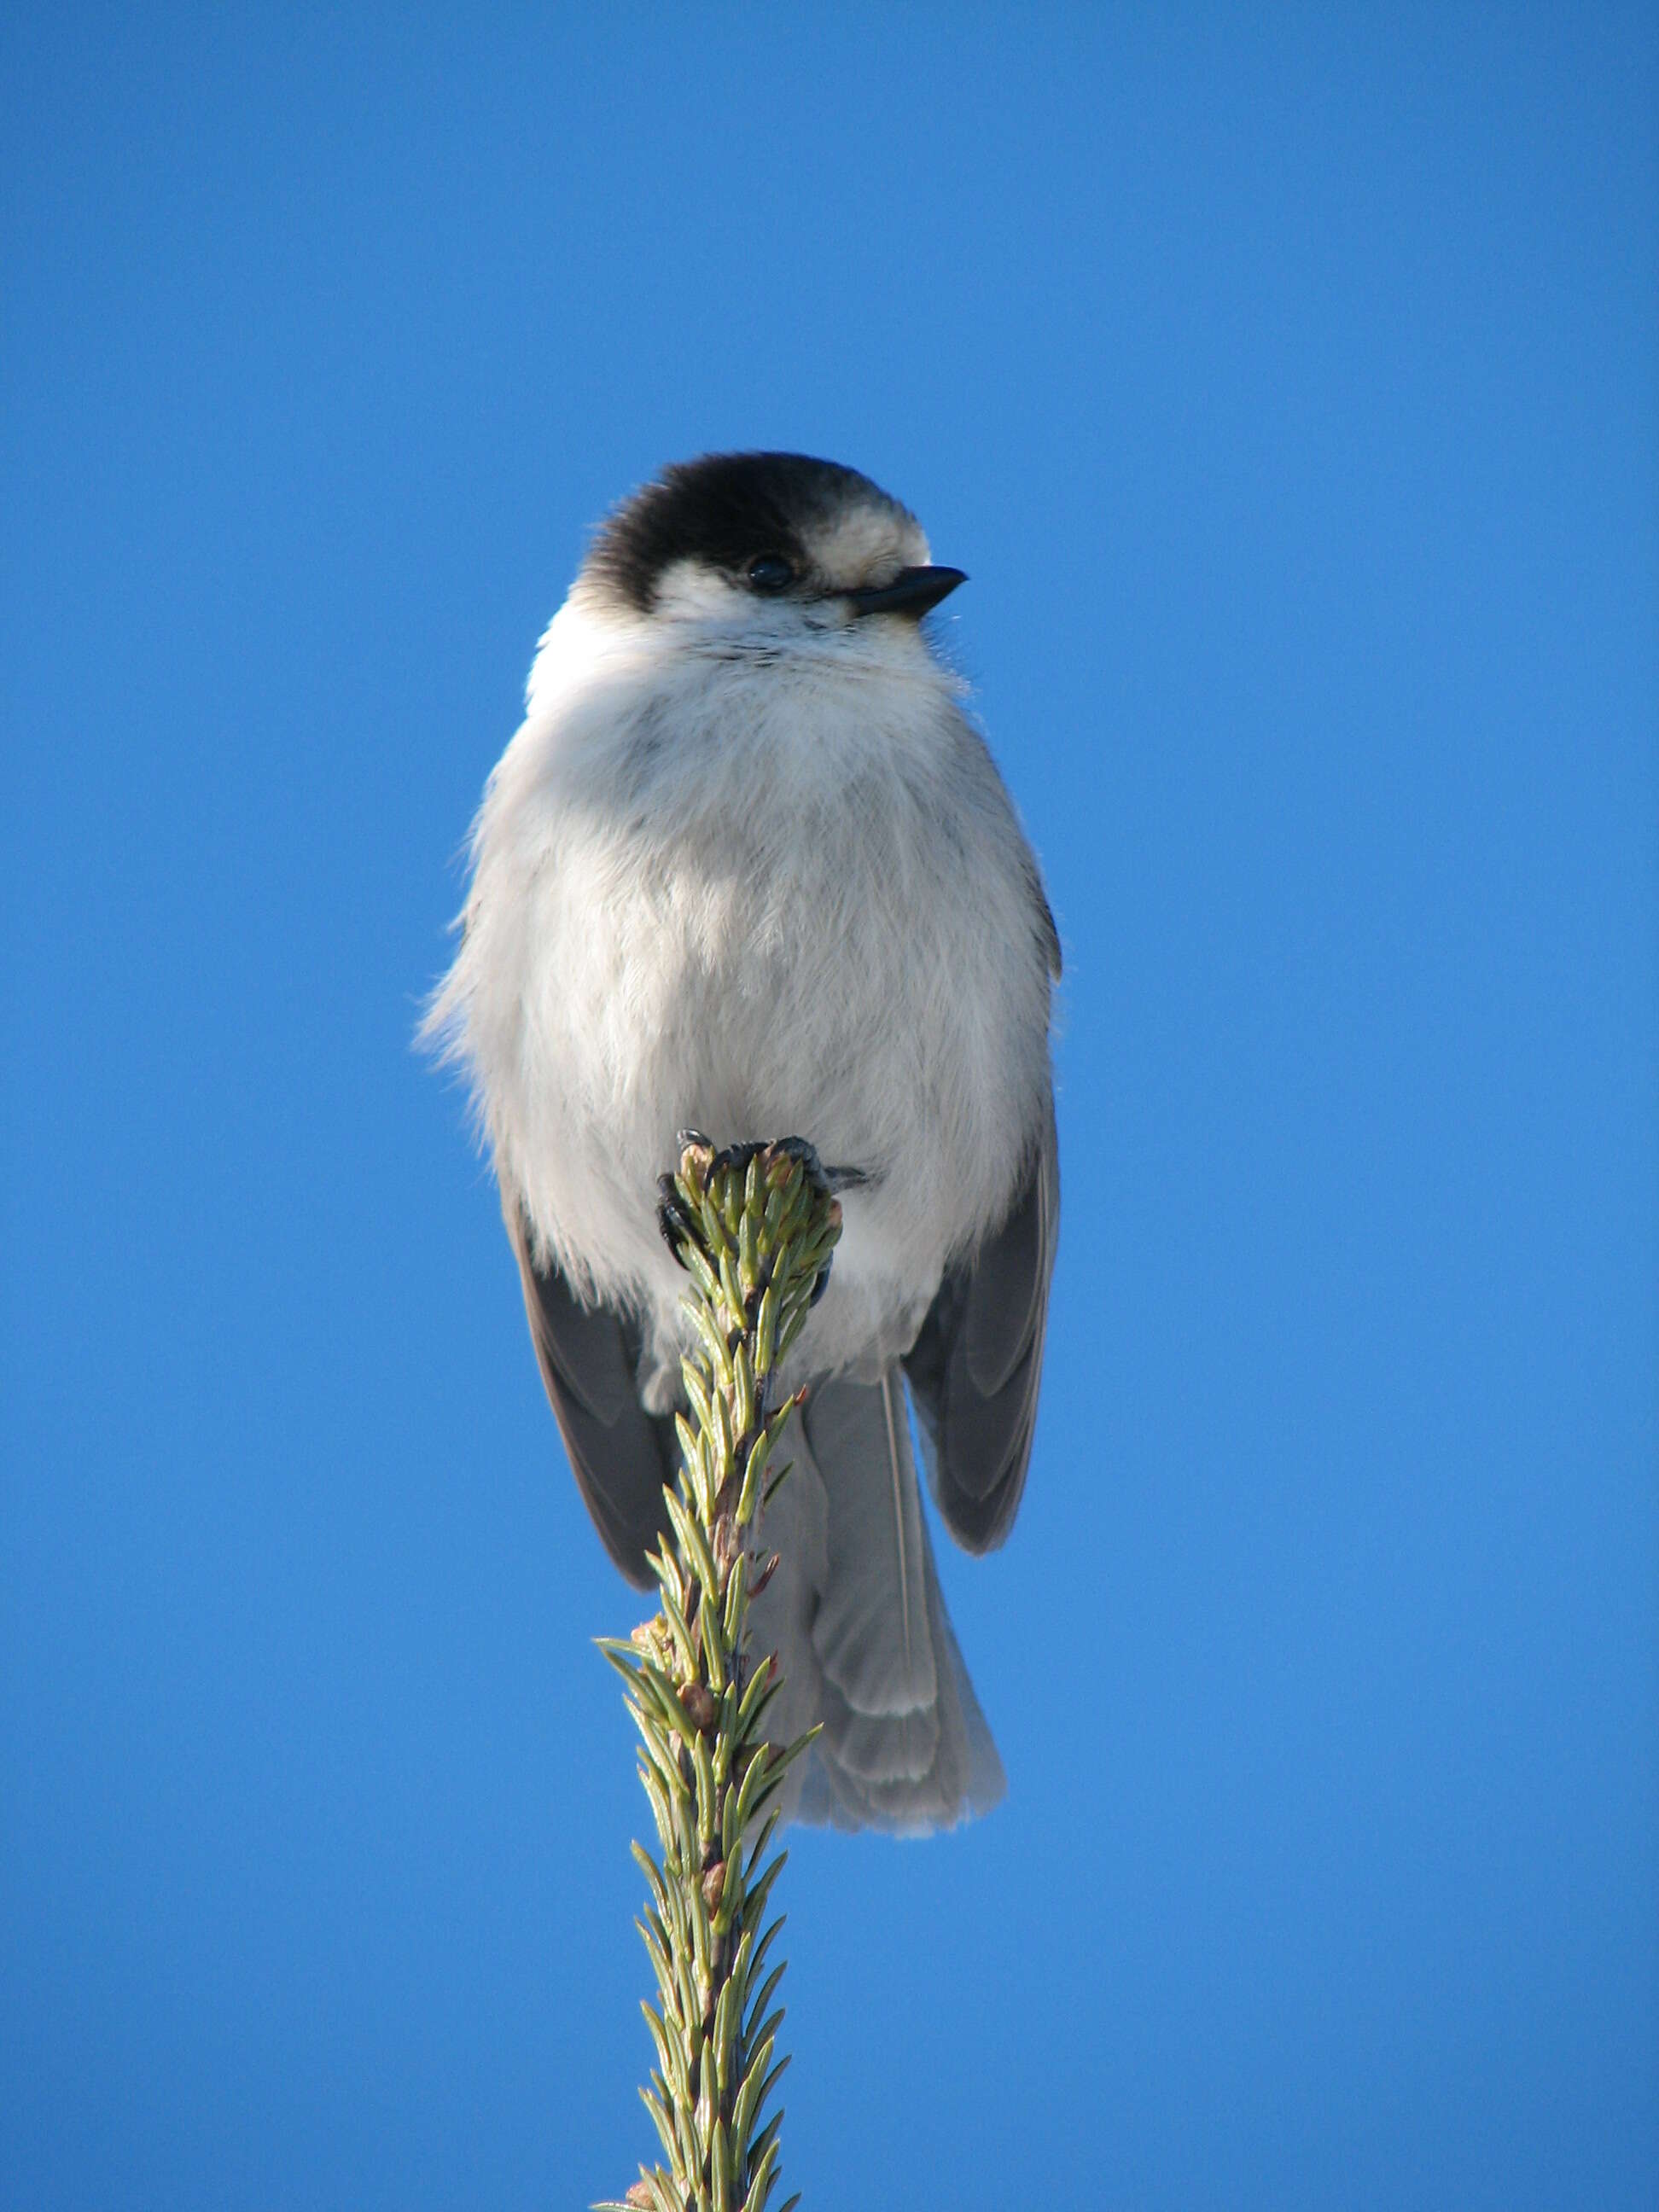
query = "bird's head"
{"x": 762, "y": 551}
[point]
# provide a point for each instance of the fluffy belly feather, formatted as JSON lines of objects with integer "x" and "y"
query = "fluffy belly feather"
{"x": 857, "y": 997}
{"x": 658, "y": 938}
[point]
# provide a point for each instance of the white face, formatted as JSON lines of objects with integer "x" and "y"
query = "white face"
{"x": 859, "y": 545}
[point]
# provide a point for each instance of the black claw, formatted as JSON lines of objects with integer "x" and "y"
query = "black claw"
{"x": 806, "y": 1155}
{"x": 695, "y": 1137}
{"x": 672, "y": 1220}
{"x": 830, "y": 1180}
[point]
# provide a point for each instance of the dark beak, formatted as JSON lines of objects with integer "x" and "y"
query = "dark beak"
{"x": 912, "y": 592}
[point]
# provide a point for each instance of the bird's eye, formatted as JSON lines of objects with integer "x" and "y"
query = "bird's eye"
{"x": 771, "y": 572}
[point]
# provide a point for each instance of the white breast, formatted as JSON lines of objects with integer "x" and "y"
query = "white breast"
{"x": 760, "y": 897}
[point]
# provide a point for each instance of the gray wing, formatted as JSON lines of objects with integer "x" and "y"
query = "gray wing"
{"x": 974, "y": 1369}
{"x": 620, "y": 1455}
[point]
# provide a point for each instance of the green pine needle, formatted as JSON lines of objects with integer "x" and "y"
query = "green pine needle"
{"x": 756, "y": 1235}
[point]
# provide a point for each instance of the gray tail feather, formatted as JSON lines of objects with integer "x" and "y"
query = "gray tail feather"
{"x": 856, "y": 1616}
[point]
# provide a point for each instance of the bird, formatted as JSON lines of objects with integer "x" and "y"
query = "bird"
{"x": 747, "y": 867}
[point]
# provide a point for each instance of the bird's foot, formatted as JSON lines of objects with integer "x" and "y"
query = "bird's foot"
{"x": 676, "y": 1224}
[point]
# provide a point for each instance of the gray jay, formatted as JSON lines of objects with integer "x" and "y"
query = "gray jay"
{"x": 747, "y": 867}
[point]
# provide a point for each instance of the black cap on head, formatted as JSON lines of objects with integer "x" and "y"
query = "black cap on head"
{"x": 726, "y": 510}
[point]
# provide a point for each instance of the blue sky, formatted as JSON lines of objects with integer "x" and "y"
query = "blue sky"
{"x": 1289, "y": 386}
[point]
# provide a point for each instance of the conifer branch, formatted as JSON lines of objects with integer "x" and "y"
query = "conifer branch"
{"x": 754, "y": 1228}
